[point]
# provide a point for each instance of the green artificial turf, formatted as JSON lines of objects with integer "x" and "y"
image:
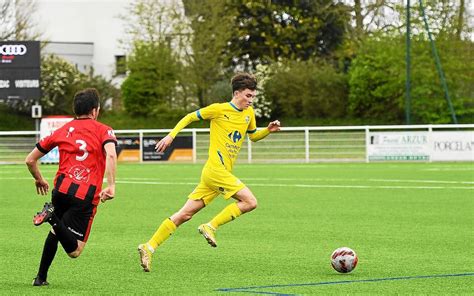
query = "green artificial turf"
{"x": 404, "y": 220}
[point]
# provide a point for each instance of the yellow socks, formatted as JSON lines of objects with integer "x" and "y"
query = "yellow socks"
{"x": 166, "y": 229}
{"x": 228, "y": 214}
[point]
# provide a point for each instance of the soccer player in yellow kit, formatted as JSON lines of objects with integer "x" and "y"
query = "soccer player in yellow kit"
{"x": 230, "y": 122}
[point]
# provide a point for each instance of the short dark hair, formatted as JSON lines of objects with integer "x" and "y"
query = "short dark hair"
{"x": 243, "y": 81}
{"x": 85, "y": 100}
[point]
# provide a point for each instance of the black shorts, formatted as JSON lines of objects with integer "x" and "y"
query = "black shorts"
{"x": 75, "y": 213}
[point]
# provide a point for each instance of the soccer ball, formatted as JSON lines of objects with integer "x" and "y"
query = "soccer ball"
{"x": 344, "y": 260}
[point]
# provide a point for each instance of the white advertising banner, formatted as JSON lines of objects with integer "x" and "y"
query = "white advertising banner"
{"x": 452, "y": 146}
{"x": 47, "y": 126}
{"x": 398, "y": 146}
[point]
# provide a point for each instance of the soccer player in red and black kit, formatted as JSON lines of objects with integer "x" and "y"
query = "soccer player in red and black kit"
{"x": 86, "y": 149}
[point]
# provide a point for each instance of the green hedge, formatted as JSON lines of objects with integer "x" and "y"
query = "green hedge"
{"x": 10, "y": 120}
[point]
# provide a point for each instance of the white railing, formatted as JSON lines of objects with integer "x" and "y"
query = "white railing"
{"x": 292, "y": 144}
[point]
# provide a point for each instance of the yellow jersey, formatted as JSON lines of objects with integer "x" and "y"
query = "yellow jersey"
{"x": 229, "y": 126}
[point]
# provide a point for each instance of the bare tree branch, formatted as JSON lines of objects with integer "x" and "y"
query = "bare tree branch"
{"x": 16, "y": 21}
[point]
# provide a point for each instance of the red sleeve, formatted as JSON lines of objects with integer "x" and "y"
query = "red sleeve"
{"x": 48, "y": 143}
{"x": 108, "y": 136}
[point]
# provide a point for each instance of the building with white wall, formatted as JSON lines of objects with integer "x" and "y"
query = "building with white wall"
{"x": 80, "y": 54}
{"x": 87, "y": 33}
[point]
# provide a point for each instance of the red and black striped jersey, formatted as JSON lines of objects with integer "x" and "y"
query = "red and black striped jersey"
{"x": 81, "y": 157}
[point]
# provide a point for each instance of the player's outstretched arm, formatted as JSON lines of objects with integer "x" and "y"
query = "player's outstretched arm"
{"x": 110, "y": 167}
{"x": 184, "y": 122}
{"x": 273, "y": 127}
{"x": 31, "y": 161}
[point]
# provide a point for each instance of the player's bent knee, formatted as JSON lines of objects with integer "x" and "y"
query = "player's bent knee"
{"x": 74, "y": 254}
{"x": 252, "y": 204}
{"x": 78, "y": 251}
{"x": 249, "y": 205}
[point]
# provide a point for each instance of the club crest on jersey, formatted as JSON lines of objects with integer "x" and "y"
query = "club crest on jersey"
{"x": 79, "y": 173}
{"x": 247, "y": 119}
{"x": 71, "y": 129}
{"x": 111, "y": 133}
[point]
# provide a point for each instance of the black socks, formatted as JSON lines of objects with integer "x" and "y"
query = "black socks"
{"x": 64, "y": 236}
{"x": 49, "y": 251}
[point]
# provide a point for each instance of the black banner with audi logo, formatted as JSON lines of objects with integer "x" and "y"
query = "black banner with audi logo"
{"x": 20, "y": 70}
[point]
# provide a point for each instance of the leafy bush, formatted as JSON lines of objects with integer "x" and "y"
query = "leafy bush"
{"x": 11, "y": 120}
{"x": 221, "y": 91}
{"x": 307, "y": 89}
{"x": 378, "y": 74}
{"x": 153, "y": 71}
{"x": 60, "y": 80}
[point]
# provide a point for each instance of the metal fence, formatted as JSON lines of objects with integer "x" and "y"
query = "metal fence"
{"x": 292, "y": 144}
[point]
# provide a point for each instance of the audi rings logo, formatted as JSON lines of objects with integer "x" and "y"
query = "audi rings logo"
{"x": 13, "y": 49}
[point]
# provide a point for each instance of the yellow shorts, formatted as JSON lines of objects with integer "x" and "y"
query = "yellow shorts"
{"x": 215, "y": 181}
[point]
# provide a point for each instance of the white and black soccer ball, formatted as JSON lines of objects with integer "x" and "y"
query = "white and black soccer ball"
{"x": 344, "y": 260}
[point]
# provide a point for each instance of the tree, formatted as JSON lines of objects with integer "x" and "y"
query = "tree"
{"x": 16, "y": 22}
{"x": 109, "y": 94}
{"x": 268, "y": 30}
{"x": 210, "y": 27}
{"x": 377, "y": 81}
{"x": 307, "y": 89}
{"x": 60, "y": 80}
{"x": 388, "y": 17}
{"x": 448, "y": 19}
{"x": 262, "y": 104}
{"x": 154, "y": 41}
{"x": 372, "y": 16}
{"x": 153, "y": 22}
{"x": 152, "y": 78}
{"x": 460, "y": 19}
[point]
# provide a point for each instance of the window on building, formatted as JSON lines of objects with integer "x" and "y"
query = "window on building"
{"x": 120, "y": 65}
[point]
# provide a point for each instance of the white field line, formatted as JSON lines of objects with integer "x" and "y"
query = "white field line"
{"x": 322, "y": 180}
{"x": 448, "y": 169}
{"x": 124, "y": 181}
{"x": 412, "y": 166}
{"x": 433, "y": 167}
{"x": 20, "y": 168}
{"x": 303, "y": 185}
{"x": 293, "y": 179}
